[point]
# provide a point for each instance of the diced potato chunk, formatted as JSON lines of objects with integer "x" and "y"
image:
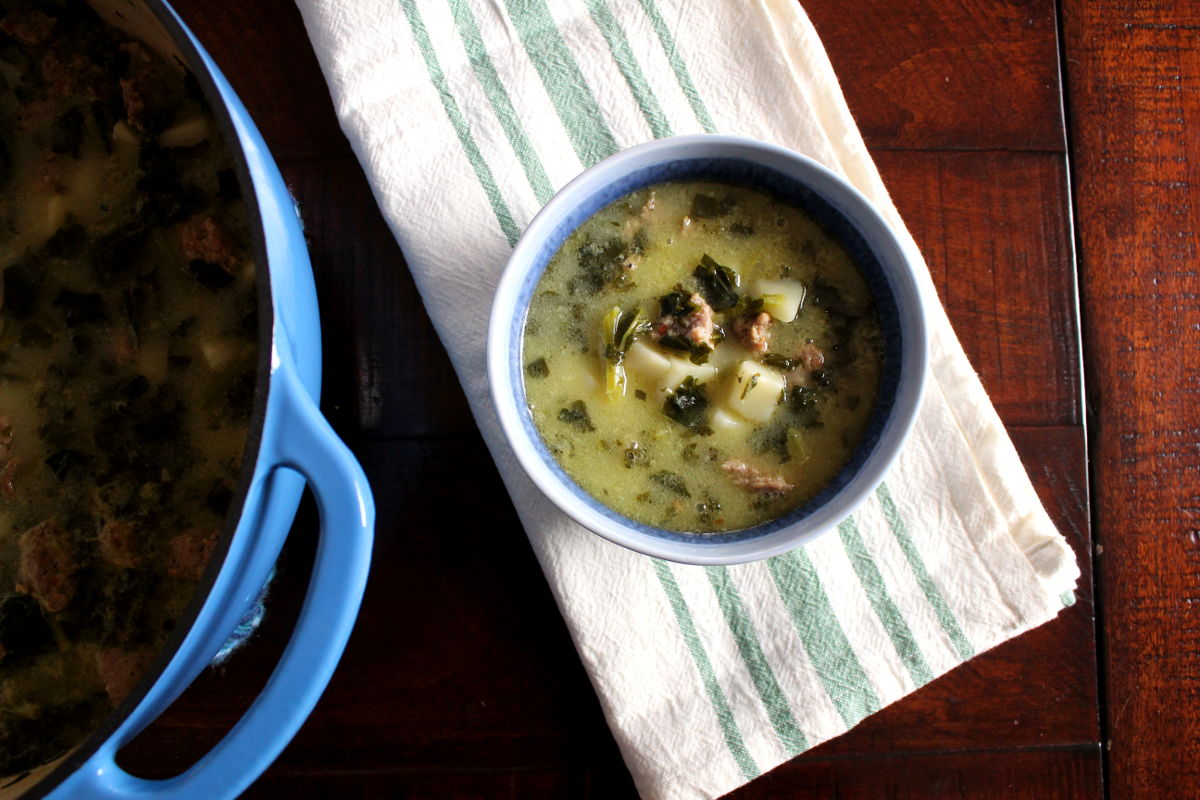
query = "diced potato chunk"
{"x": 755, "y": 390}
{"x": 219, "y": 352}
{"x": 681, "y": 368}
{"x": 187, "y": 133}
{"x": 781, "y": 298}
{"x": 723, "y": 420}
{"x": 123, "y": 134}
{"x": 645, "y": 361}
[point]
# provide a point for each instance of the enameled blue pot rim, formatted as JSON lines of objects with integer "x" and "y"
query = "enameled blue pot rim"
{"x": 842, "y": 210}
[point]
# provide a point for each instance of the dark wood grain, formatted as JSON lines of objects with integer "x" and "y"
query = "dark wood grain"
{"x": 995, "y": 229}
{"x": 461, "y": 681}
{"x": 1038, "y": 774}
{"x": 1133, "y": 69}
{"x": 386, "y": 374}
{"x": 969, "y": 74}
{"x": 262, "y": 48}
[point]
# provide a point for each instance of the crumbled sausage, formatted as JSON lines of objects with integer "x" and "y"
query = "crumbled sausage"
{"x": 811, "y": 357}
{"x": 696, "y": 327}
{"x": 52, "y": 174}
{"x": 204, "y": 239}
{"x": 747, "y": 477}
{"x": 6, "y": 435}
{"x": 34, "y": 114}
{"x": 7, "y": 476}
{"x": 190, "y": 552}
{"x": 121, "y": 544}
{"x": 808, "y": 359}
{"x": 753, "y": 330}
{"x": 30, "y": 27}
{"x": 144, "y": 89}
{"x": 119, "y": 670}
{"x": 70, "y": 74}
{"x": 47, "y": 566}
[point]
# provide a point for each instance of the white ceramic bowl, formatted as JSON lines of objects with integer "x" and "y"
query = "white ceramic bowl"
{"x": 843, "y": 211}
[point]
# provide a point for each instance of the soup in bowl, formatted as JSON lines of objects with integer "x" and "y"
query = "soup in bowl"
{"x": 707, "y": 349}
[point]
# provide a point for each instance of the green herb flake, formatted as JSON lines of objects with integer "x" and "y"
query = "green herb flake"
{"x": 671, "y": 482}
{"x": 803, "y": 402}
{"x": 706, "y": 206}
{"x": 600, "y": 263}
{"x": 538, "y": 368}
{"x": 772, "y": 439}
{"x": 576, "y": 415}
{"x": 750, "y": 384}
{"x": 779, "y": 362}
{"x": 635, "y": 455}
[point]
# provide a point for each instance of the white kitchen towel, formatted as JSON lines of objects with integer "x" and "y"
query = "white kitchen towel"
{"x": 466, "y": 116}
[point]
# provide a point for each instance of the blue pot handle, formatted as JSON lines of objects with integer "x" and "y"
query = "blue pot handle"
{"x": 302, "y": 441}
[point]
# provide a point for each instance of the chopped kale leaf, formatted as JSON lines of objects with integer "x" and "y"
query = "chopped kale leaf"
{"x": 34, "y": 335}
{"x": 117, "y": 251}
{"x": 707, "y": 207}
{"x": 639, "y": 243}
{"x": 688, "y": 405}
{"x": 772, "y": 439}
{"x": 636, "y": 455}
{"x": 697, "y": 353}
{"x": 676, "y": 304}
{"x": 538, "y": 368}
{"x": 23, "y": 628}
{"x": 227, "y": 185}
{"x": 576, "y": 415}
{"x": 600, "y": 263}
{"x": 803, "y": 403}
{"x": 81, "y": 308}
{"x": 219, "y": 497}
{"x": 718, "y": 284}
{"x": 5, "y": 163}
{"x": 706, "y": 509}
{"x": 63, "y": 462}
{"x": 208, "y": 275}
{"x": 20, "y": 292}
{"x": 68, "y": 241}
{"x": 675, "y": 342}
{"x": 778, "y": 361}
{"x": 66, "y": 136}
{"x": 671, "y": 482}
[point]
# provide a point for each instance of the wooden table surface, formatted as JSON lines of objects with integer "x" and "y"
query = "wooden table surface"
{"x": 1040, "y": 152}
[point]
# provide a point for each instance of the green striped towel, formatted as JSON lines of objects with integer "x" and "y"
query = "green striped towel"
{"x": 467, "y": 115}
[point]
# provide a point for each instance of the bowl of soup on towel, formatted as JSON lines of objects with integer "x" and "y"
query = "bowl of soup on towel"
{"x": 707, "y": 349}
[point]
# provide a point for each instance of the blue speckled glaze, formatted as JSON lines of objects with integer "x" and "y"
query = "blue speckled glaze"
{"x": 757, "y": 176}
{"x": 290, "y": 445}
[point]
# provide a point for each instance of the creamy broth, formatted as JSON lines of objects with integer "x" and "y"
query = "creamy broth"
{"x": 127, "y": 365}
{"x": 701, "y": 357}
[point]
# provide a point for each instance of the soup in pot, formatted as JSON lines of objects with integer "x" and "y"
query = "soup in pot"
{"x": 128, "y": 329}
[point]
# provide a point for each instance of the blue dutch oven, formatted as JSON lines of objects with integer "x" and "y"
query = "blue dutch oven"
{"x": 290, "y": 444}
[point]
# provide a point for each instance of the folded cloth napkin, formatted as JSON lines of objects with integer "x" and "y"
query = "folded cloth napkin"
{"x": 466, "y": 116}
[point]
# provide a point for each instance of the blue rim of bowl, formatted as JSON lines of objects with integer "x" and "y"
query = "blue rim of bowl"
{"x": 834, "y": 217}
